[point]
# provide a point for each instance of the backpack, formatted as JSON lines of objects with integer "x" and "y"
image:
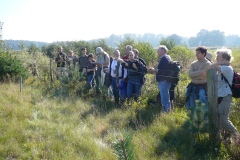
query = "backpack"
{"x": 174, "y": 72}
{"x": 235, "y": 84}
{"x": 142, "y": 70}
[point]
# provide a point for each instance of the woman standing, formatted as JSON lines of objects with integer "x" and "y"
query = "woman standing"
{"x": 224, "y": 57}
{"x": 133, "y": 84}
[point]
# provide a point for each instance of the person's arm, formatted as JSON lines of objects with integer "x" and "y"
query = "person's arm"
{"x": 107, "y": 60}
{"x": 124, "y": 63}
{"x": 217, "y": 65}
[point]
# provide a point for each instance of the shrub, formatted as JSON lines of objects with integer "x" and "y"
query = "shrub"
{"x": 10, "y": 67}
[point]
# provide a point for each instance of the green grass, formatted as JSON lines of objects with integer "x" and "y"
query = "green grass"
{"x": 47, "y": 122}
{"x": 34, "y": 126}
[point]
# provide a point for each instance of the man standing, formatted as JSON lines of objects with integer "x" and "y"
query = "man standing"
{"x": 127, "y": 50}
{"x": 162, "y": 72}
{"x": 72, "y": 59}
{"x": 83, "y": 61}
{"x": 103, "y": 61}
{"x": 61, "y": 62}
{"x": 197, "y": 89}
{"x": 117, "y": 73}
{"x": 136, "y": 52}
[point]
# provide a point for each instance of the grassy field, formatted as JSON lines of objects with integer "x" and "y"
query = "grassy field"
{"x": 35, "y": 124}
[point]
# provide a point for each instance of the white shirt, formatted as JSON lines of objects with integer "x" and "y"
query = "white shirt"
{"x": 223, "y": 87}
{"x": 113, "y": 68}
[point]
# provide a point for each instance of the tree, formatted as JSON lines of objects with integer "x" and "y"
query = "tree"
{"x": 232, "y": 41}
{"x": 168, "y": 43}
{"x": 122, "y": 45}
{"x": 181, "y": 54}
{"x": 193, "y": 41}
{"x": 176, "y": 38}
{"x": 146, "y": 52}
{"x": 10, "y": 67}
{"x": 210, "y": 38}
{"x": 32, "y": 49}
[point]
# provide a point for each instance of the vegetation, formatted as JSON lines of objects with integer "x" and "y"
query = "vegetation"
{"x": 63, "y": 120}
{"x": 214, "y": 38}
{"x": 10, "y": 67}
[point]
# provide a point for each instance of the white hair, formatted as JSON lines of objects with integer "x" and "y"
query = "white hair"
{"x": 163, "y": 47}
{"x": 226, "y": 53}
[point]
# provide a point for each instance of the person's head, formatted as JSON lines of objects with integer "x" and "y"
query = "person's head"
{"x": 201, "y": 52}
{"x": 71, "y": 53}
{"x": 60, "y": 49}
{"x": 84, "y": 51}
{"x": 99, "y": 50}
{"x": 136, "y": 52}
{"x": 162, "y": 50}
{"x": 90, "y": 56}
{"x": 131, "y": 55}
{"x": 224, "y": 54}
{"x": 128, "y": 49}
{"x": 116, "y": 54}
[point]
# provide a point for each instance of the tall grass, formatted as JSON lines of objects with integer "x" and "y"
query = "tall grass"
{"x": 40, "y": 124}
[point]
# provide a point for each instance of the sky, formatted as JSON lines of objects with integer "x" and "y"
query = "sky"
{"x": 73, "y": 20}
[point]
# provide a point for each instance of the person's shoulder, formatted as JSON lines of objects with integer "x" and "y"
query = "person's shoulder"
{"x": 229, "y": 68}
{"x": 207, "y": 61}
{"x": 194, "y": 62}
{"x": 105, "y": 54}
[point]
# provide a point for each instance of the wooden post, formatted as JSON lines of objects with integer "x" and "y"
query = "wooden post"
{"x": 117, "y": 81}
{"x": 20, "y": 84}
{"x": 51, "y": 74}
{"x": 212, "y": 88}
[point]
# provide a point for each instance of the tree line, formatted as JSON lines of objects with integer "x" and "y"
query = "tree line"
{"x": 213, "y": 38}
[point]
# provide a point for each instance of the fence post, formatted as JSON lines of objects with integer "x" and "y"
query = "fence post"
{"x": 51, "y": 74}
{"x": 20, "y": 84}
{"x": 212, "y": 88}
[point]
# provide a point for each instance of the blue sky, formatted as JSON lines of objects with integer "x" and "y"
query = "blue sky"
{"x": 67, "y": 20}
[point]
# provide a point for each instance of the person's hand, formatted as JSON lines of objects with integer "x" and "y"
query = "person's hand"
{"x": 121, "y": 60}
{"x": 151, "y": 68}
{"x": 106, "y": 70}
{"x": 134, "y": 66}
{"x": 204, "y": 73}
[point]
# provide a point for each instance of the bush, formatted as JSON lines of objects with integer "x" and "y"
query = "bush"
{"x": 182, "y": 54}
{"x": 10, "y": 67}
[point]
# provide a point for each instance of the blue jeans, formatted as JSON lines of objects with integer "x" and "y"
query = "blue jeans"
{"x": 193, "y": 96}
{"x": 123, "y": 90}
{"x": 90, "y": 79}
{"x": 133, "y": 88}
{"x": 114, "y": 87}
{"x": 164, "y": 87}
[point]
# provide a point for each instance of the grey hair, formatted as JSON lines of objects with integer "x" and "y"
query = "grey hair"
{"x": 129, "y": 46}
{"x": 226, "y": 53}
{"x": 135, "y": 50}
{"x": 163, "y": 47}
{"x": 116, "y": 51}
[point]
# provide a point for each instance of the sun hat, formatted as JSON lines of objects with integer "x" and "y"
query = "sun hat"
{"x": 99, "y": 50}
{"x": 209, "y": 56}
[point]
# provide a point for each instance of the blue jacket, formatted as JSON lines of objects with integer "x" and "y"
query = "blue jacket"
{"x": 163, "y": 69}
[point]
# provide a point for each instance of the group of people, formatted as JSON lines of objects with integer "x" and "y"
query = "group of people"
{"x": 119, "y": 75}
{"x": 197, "y": 89}
{"x": 126, "y": 83}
